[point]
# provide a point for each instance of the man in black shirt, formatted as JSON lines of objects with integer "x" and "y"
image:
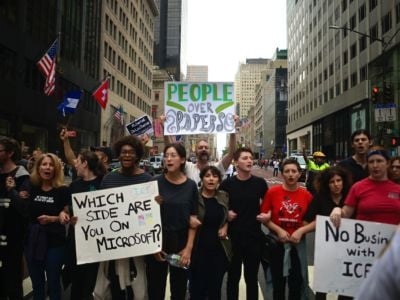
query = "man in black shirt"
{"x": 245, "y": 193}
{"x": 356, "y": 164}
{"x": 13, "y": 218}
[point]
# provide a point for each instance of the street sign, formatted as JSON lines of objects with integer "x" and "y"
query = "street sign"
{"x": 385, "y": 112}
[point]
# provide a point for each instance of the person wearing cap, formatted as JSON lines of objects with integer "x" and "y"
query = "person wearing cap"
{"x": 314, "y": 166}
{"x": 375, "y": 198}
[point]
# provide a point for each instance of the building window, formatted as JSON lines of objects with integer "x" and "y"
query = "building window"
{"x": 331, "y": 95}
{"x": 363, "y": 73}
{"x": 353, "y": 21}
{"x": 337, "y": 89}
{"x": 387, "y": 22}
{"x": 344, "y": 5}
{"x": 353, "y": 51}
{"x": 362, "y": 43}
{"x": 362, "y": 11}
{"x": 397, "y": 13}
{"x": 373, "y": 32}
{"x": 353, "y": 79}
{"x": 345, "y": 57}
{"x": 325, "y": 74}
{"x": 345, "y": 84}
{"x": 331, "y": 69}
{"x": 345, "y": 33}
{"x": 372, "y": 4}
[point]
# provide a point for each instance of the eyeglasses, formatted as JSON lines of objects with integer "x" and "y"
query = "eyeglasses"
{"x": 128, "y": 153}
{"x": 3, "y": 150}
{"x": 395, "y": 166}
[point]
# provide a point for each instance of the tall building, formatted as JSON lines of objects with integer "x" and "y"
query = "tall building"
{"x": 28, "y": 30}
{"x": 337, "y": 51}
{"x": 127, "y": 59}
{"x": 246, "y": 78}
{"x": 170, "y": 37}
{"x": 197, "y": 73}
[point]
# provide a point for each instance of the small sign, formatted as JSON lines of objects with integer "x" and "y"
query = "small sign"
{"x": 140, "y": 126}
{"x": 385, "y": 112}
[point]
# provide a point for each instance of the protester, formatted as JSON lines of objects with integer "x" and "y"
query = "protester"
{"x": 125, "y": 277}
{"x": 314, "y": 166}
{"x": 394, "y": 169}
{"x": 356, "y": 164}
{"x": 90, "y": 171}
{"x": 245, "y": 193}
{"x": 13, "y": 218}
{"x": 212, "y": 250}
{"x": 374, "y": 198}
{"x": 179, "y": 202}
{"x": 332, "y": 186}
{"x": 35, "y": 156}
{"x": 287, "y": 204}
{"x": 276, "y": 164}
{"x": 383, "y": 280}
{"x": 46, "y": 240}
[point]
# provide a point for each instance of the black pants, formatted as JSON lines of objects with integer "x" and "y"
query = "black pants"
{"x": 248, "y": 252}
{"x": 11, "y": 273}
{"x": 294, "y": 279}
{"x": 322, "y": 296}
{"x": 83, "y": 281}
{"x": 157, "y": 279}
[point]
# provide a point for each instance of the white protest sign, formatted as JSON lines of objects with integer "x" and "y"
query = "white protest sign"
{"x": 199, "y": 108}
{"x": 344, "y": 255}
{"x": 117, "y": 223}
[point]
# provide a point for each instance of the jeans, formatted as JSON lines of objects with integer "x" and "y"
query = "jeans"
{"x": 51, "y": 266}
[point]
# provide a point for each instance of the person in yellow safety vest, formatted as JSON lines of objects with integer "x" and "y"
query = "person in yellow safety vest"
{"x": 317, "y": 164}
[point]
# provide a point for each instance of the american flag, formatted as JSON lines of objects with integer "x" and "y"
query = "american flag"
{"x": 118, "y": 115}
{"x": 47, "y": 65}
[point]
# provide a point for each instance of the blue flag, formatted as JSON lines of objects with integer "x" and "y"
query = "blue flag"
{"x": 71, "y": 100}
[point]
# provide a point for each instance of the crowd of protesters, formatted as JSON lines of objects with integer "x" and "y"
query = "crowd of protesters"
{"x": 212, "y": 221}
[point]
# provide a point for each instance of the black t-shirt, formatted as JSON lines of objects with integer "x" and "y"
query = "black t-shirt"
{"x": 116, "y": 179}
{"x": 320, "y": 206}
{"x": 50, "y": 203}
{"x": 356, "y": 171}
{"x": 82, "y": 186}
{"x": 179, "y": 202}
{"x": 245, "y": 197}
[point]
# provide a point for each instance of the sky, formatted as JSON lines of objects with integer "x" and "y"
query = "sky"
{"x": 223, "y": 33}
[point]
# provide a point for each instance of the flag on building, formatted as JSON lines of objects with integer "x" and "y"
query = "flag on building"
{"x": 47, "y": 65}
{"x": 71, "y": 100}
{"x": 101, "y": 94}
{"x": 119, "y": 115}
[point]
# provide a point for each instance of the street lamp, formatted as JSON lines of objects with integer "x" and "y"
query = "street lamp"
{"x": 386, "y": 90}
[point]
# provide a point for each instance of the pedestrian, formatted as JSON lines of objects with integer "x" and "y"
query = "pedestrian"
{"x": 90, "y": 171}
{"x": 372, "y": 199}
{"x": 212, "y": 250}
{"x": 245, "y": 193}
{"x": 124, "y": 278}
{"x": 179, "y": 202}
{"x": 287, "y": 204}
{"x": 276, "y": 167}
{"x": 13, "y": 218}
{"x": 45, "y": 245}
{"x": 332, "y": 186}
{"x": 356, "y": 164}
{"x": 314, "y": 166}
{"x": 394, "y": 169}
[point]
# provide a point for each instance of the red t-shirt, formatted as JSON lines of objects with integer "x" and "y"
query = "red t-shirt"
{"x": 376, "y": 201}
{"x": 287, "y": 207}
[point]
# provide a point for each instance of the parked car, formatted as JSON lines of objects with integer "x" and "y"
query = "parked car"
{"x": 146, "y": 166}
{"x": 156, "y": 163}
{"x": 303, "y": 166}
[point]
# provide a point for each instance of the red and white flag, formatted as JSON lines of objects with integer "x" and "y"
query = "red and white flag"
{"x": 101, "y": 94}
{"x": 47, "y": 65}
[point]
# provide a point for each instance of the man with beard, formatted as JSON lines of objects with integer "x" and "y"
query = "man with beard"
{"x": 14, "y": 184}
{"x": 192, "y": 170}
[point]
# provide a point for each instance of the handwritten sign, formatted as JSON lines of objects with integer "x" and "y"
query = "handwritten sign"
{"x": 117, "y": 223}
{"x": 198, "y": 108}
{"x": 345, "y": 255}
{"x": 140, "y": 126}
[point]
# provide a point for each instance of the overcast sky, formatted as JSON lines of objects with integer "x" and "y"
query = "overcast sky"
{"x": 222, "y": 33}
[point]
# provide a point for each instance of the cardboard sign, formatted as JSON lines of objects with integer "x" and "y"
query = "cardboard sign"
{"x": 199, "y": 108}
{"x": 140, "y": 126}
{"x": 345, "y": 255}
{"x": 117, "y": 223}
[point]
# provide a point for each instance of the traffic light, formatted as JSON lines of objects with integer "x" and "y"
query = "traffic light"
{"x": 375, "y": 94}
{"x": 395, "y": 141}
{"x": 387, "y": 93}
